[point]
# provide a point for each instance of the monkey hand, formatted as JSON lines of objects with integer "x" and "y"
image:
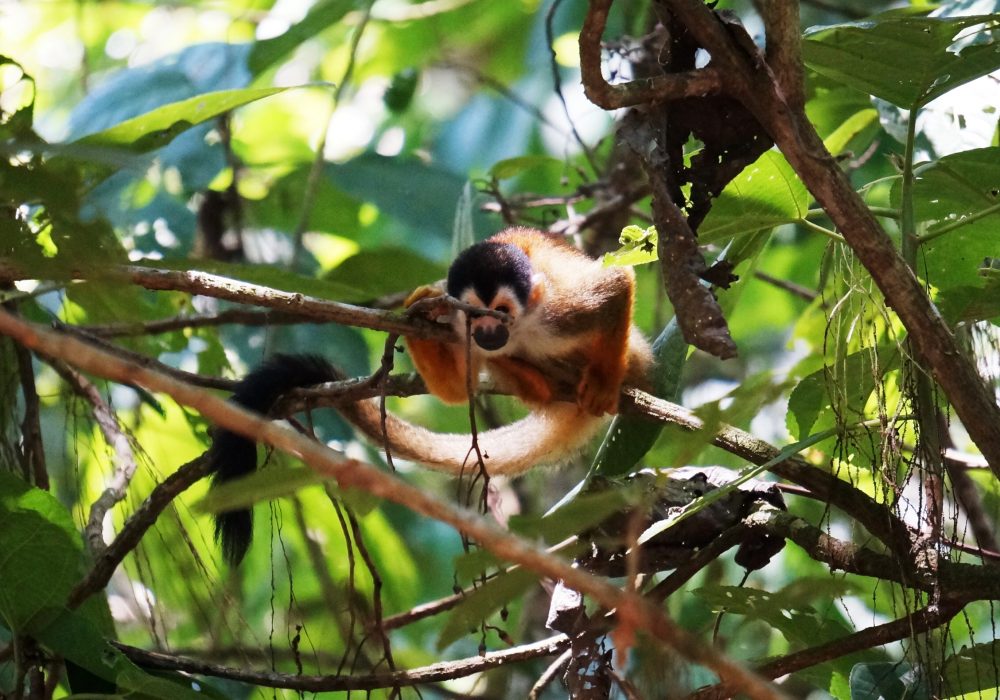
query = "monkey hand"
{"x": 419, "y": 301}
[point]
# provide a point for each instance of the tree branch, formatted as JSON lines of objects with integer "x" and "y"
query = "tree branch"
{"x": 789, "y": 126}
{"x": 306, "y": 307}
{"x": 694, "y": 83}
{"x": 633, "y": 611}
{"x": 903, "y": 628}
{"x": 442, "y": 671}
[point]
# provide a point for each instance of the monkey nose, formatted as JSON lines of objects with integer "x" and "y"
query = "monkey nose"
{"x": 491, "y": 338}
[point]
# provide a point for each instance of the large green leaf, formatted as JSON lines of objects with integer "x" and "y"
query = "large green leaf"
{"x": 38, "y": 543}
{"x": 801, "y": 624}
{"x": 947, "y": 192}
{"x": 972, "y": 669}
{"x": 896, "y": 680}
{"x": 383, "y": 271}
{"x": 128, "y": 93}
{"x": 158, "y": 127}
{"x": 77, "y": 639}
{"x": 766, "y": 194}
{"x": 811, "y": 405}
{"x": 918, "y": 58}
{"x": 420, "y": 195}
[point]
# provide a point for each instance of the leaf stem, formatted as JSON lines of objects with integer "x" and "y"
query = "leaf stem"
{"x": 962, "y": 221}
{"x": 823, "y": 230}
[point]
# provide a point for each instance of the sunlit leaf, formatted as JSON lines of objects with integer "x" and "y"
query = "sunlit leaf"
{"x": 918, "y": 58}
{"x": 158, "y": 127}
{"x": 763, "y": 195}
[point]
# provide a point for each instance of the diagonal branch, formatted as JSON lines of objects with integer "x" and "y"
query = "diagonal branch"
{"x": 633, "y": 611}
{"x": 749, "y": 80}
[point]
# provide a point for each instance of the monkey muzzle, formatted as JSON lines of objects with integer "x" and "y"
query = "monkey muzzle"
{"x": 489, "y": 333}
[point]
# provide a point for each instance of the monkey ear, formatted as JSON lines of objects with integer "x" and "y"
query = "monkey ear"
{"x": 537, "y": 289}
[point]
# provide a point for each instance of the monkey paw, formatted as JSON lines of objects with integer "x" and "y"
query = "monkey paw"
{"x": 597, "y": 393}
{"x": 427, "y": 309}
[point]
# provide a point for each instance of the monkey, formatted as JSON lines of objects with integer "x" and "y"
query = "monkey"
{"x": 563, "y": 327}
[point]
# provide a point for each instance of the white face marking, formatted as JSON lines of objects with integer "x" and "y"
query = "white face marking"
{"x": 506, "y": 301}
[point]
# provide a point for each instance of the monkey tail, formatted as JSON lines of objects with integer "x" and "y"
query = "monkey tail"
{"x": 549, "y": 435}
{"x": 233, "y": 456}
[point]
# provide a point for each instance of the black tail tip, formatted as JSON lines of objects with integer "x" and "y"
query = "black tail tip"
{"x": 233, "y": 532}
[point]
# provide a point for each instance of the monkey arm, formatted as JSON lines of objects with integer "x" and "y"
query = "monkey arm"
{"x": 522, "y": 379}
{"x": 598, "y": 310}
{"x": 442, "y": 365}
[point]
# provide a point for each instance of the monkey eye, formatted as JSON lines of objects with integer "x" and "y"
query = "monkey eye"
{"x": 502, "y": 308}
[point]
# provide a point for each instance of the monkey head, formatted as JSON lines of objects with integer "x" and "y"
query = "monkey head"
{"x": 496, "y": 276}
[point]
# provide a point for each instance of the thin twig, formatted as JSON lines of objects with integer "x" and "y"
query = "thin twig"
{"x": 124, "y": 458}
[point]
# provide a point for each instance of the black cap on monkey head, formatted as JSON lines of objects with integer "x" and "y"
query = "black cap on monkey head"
{"x": 487, "y": 266}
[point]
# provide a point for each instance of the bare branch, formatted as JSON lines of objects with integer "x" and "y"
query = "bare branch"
{"x": 124, "y": 459}
{"x": 633, "y": 610}
{"x": 211, "y": 285}
{"x": 442, "y": 671}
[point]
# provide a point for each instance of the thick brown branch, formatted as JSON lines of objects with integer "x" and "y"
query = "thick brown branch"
{"x": 879, "y": 520}
{"x": 633, "y": 610}
{"x": 903, "y": 628}
{"x": 790, "y": 128}
{"x": 784, "y": 48}
{"x": 694, "y": 83}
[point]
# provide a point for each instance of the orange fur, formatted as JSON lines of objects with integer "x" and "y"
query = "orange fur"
{"x": 575, "y": 335}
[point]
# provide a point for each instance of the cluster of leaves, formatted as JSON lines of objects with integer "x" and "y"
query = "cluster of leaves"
{"x": 123, "y": 178}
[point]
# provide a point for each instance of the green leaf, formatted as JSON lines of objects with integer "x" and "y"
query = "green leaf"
{"x": 274, "y": 482}
{"x": 420, "y": 195}
{"x": 583, "y": 513}
{"x": 323, "y": 14}
{"x": 483, "y": 602}
{"x": 970, "y": 304}
{"x": 38, "y": 542}
{"x": 766, "y": 194}
{"x": 158, "y": 127}
{"x": 972, "y": 669}
{"x": 512, "y": 167}
{"x": 382, "y": 271}
{"x": 333, "y": 210}
{"x": 800, "y": 624}
{"x": 963, "y": 187}
{"x": 859, "y": 127}
{"x": 17, "y": 120}
{"x": 918, "y": 58}
{"x": 638, "y": 247}
{"x": 74, "y": 637}
{"x": 851, "y": 382}
{"x": 887, "y": 681}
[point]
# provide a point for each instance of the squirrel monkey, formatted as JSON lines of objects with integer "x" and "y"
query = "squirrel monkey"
{"x": 568, "y": 332}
